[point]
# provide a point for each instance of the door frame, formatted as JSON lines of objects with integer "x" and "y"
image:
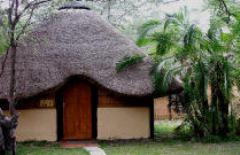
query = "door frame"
{"x": 59, "y": 107}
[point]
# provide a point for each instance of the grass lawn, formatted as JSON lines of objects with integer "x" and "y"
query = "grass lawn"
{"x": 172, "y": 148}
{"x": 42, "y": 148}
{"x": 167, "y": 143}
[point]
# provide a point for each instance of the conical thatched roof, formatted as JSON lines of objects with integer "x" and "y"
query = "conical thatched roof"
{"x": 76, "y": 42}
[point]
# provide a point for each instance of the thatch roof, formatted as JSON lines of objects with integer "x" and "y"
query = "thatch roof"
{"x": 76, "y": 42}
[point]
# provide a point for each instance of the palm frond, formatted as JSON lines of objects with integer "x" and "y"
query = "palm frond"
{"x": 192, "y": 40}
{"x": 142, "y": 38}
{"x": 128, "y": 61}
{"x": 163, "y": 74}
{"x": 190, "y": 37}
{"x": 201, "y": 81}
{"x": 171, "y": 21}
{"x": 164, "y": 42}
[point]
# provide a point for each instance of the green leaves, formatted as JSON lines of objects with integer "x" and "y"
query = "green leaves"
{"x": 161, "y": 79}
{"x": 202, "y": 60}
{"x": 4, "y": 39}
{"x": 128, "y": 61}
{"x": 164, "y": 73}
{"x": 144, "y": 30}
{"x": 3, "y": 42}
{"x": 163, "y": 41}
{"x": 191, "y": 40}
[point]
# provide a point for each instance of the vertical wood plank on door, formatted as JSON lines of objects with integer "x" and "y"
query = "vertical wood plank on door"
{"x": 77, "y": 111}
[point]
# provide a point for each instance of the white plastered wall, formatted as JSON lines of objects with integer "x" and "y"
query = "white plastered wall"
{"x": 123, "y": 123}
{"x": 37, "y": 124}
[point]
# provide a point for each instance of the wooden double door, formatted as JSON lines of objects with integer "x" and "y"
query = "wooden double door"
{"x": 77, "y": 111}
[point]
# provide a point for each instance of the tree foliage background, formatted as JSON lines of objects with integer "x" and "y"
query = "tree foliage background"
{"x": 202, "y": 60}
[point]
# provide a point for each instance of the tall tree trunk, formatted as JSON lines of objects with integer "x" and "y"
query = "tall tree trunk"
{"x": 12, "y": 81}
{"x": 15, "y": 13}
{"x": 223, "y": 106}
{"x": 214, "y": 112}
{"x": 8, "y": 125}
{"x": 222, "y": 102}
{"x": 169, "y": 107}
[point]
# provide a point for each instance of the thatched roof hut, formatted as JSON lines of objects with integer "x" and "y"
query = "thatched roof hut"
{"x": 66, "y": 81}
{"x": 76, "y": 43}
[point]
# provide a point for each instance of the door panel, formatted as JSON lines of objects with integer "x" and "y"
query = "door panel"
{"x": 77, "y": 111}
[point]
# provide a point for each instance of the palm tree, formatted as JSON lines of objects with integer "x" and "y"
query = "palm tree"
{"x": 201, "y": 60}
